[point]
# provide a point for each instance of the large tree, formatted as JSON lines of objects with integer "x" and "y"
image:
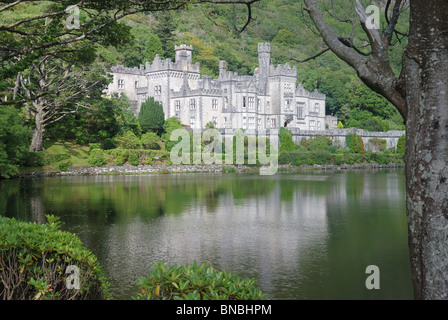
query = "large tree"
{"x": 420, "y": 94}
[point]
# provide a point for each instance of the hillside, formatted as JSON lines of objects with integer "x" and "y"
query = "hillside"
{"x": 211, "y": 29}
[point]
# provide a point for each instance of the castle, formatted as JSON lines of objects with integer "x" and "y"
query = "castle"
{"x": 266, "y": 100}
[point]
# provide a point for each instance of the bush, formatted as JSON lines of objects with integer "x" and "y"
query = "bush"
{"x": 133, "y": 159}
{"x": 286, "y": 142}
{"x": 195, "y": 282}
{"x": 354, "y": 143}
{"x": 96, "y": 158}
{"x": 128, "y": 140}
{"x": 151, "y": 140}
{"x": 401, "y": 144}
{"x": 34, "y": 259}
{"x": 63, "y": 166}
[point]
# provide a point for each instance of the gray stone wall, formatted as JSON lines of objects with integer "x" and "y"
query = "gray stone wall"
{"x": 338, "y": 136}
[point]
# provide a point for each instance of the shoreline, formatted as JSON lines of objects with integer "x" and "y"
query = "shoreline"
{"x": 195, "y": 168}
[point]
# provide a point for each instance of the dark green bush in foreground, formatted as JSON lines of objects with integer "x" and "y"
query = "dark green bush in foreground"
{"x": 195, "y": 282}
{"x": 34, "y": 259}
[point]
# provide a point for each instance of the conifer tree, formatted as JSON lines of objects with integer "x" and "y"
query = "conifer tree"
{"x": 151, "y": 116}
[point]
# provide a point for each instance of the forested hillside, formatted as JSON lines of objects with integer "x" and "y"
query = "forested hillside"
{"x": 215, "y": 33}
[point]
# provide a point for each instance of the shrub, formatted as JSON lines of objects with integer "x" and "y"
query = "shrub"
{"x": 128, "y": 140}
{"x": 401, "y": 144}
{"x": 286, "y": 142}
{"x": 97, "y": 158}
{"x": 63, "y": 166}
{"x": 151, "y": 140}
{"x": 195, "y": 282}
{"x": 34, "y": 259}
{"x": 354, "y": 143}
{"x": 133, "y": 159}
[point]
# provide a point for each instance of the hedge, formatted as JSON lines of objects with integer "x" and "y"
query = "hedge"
{"x": 34, "y": 259}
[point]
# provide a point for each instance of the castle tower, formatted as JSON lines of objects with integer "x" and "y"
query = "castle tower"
{"x": 264, "y": 61}
{"x": 184, "y": 55}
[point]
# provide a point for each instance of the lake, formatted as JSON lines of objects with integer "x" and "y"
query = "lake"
{"x": 300, "y": 235}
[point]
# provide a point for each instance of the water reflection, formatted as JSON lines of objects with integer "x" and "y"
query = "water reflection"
{"x": 302, "y": 236}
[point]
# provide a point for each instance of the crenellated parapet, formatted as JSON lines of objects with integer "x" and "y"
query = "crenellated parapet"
{"x": 302, "y": 92}
{"x": 283, "y": 70}
{"x": 125, "y": 70}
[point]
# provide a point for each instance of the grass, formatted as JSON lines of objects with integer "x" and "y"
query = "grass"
{"x": 79, "y": 154}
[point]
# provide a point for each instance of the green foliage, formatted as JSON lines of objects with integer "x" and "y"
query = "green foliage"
{"x": 14, "y": 142}
{"x": 151, "y": 140}
{"x": 316, "y": 143}
{"x": 34, "y": 260}
{"x": 286, "y": 142}
{"x": 63, "y": 166}
{"x": 127, "y": 140}
{"x": 169, "y": 126}
{"x": 354, "y": 143}
{"x": 401, "y": 144}
{"x": 195, "y": 282}
{"x": 133, "y": 158}
{"x": 151, "y": 116}
{"x": 97, "y": 158}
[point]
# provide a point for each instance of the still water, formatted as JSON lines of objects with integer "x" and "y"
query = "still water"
{"x": 301, "y": 236}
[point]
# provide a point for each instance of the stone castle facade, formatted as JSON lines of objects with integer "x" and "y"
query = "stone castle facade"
{"x": 266, "y": 100}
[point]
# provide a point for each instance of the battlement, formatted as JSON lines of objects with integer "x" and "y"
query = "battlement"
{"x": 302, "y": 92}
{"x": 183, "y": 47}
{"x": 283, "y": 70}
{"x": 264, "y": 48}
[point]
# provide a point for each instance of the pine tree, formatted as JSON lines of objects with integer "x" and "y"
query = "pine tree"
{"x": 153, "y": 46}
{"x": 166, "y": 26}
{"x": 151, "y": 116}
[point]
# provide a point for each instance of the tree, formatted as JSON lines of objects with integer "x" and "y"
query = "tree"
{"x": 166, "y": 26}
{"x": 420, "y": 94}
{"x": 151, "y": 116}
{"x": 13, "y": 141}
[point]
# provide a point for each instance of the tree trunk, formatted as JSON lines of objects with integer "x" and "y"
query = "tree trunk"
{"x": 38, "y": 134}
{"x": 425, "y": 66}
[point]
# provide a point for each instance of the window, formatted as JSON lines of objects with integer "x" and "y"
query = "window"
{"x": 215, "y": 120}
{"x": 192, "y": 104}
{"x": 192, "y": 122}
{"x": 226, "y": 102}
{"x": 258, "y": 105}
{"x": 287, "y": 105}
{"x": 224, "y": 122}
{"x": 136, "y": 84}
{"x": 288, "y": 88}
{"x": 251, "y": 102}
{"x": 316, "y": 107}
{"x": 251, "y": 123}
{"x": 300, "y": 108}
{"x": 312, "y": 125}
{"x": 244, "y": 102}
{"x": 272, "y": 123}
{"x": 259, "y": 123}
{"x": 268, "y": 104}
{"x": 177, "y": 105}
{"x": 121, "y": 84}
{"x": 157, "y": 90}
{"x": 215, "y": 104}
{"x": 244, "y": 122}
{"x": 318, "y": 125}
